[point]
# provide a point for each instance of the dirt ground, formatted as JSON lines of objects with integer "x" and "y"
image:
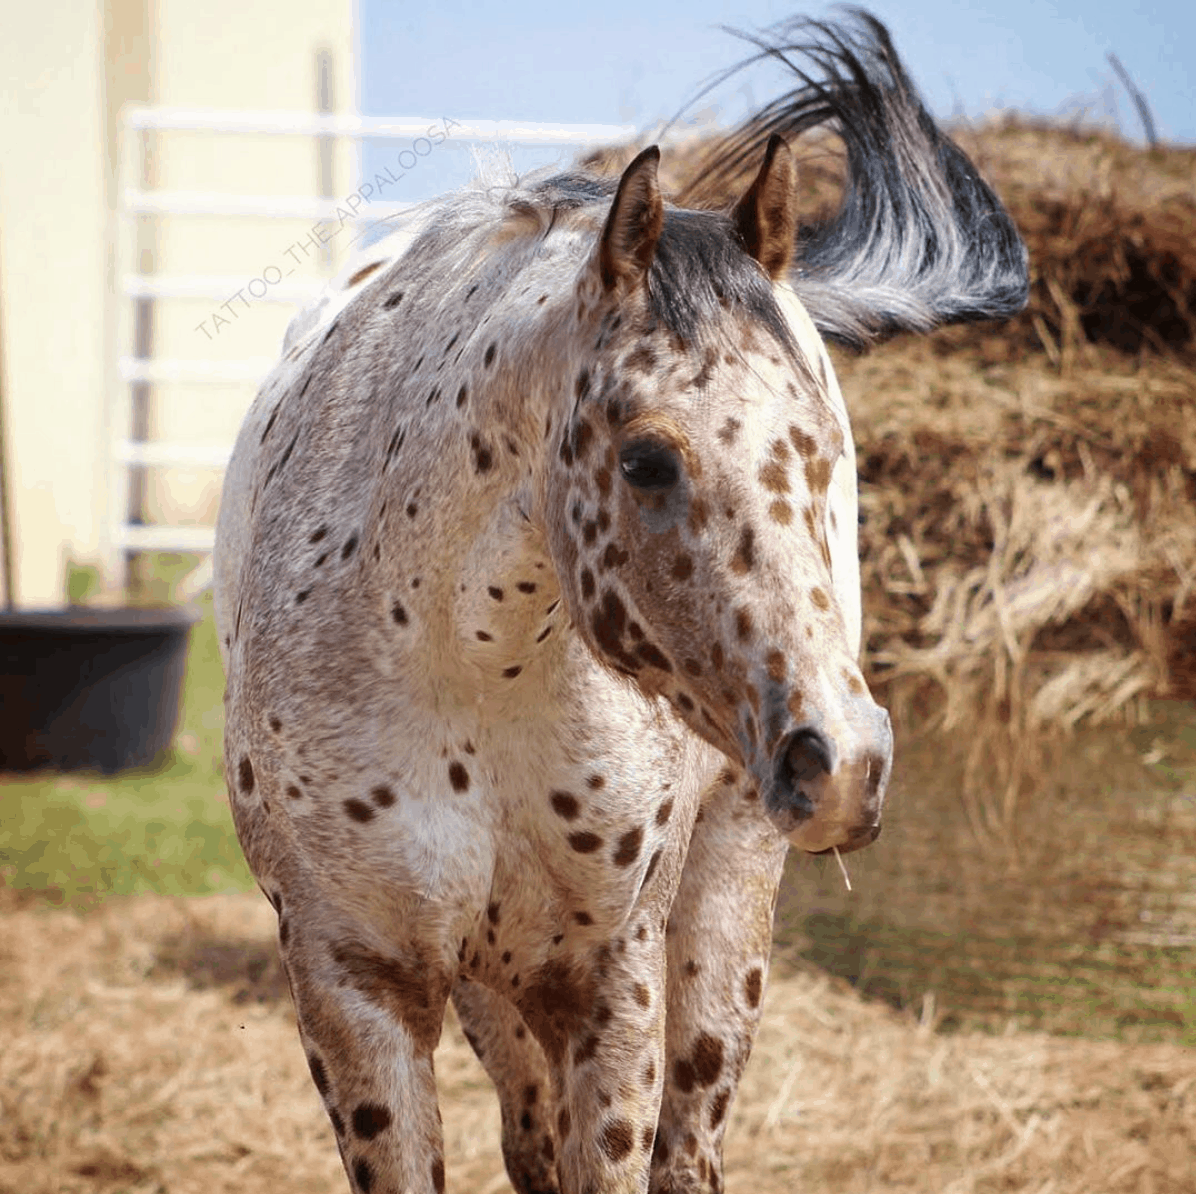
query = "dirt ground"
{"x": 150, "y": 1049}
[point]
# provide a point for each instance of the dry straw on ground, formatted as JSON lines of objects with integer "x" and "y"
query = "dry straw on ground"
{"x": 150, "y": 1048}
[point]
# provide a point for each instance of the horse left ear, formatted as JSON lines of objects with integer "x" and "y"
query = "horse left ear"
{"x": 766, "y": 217}
{"x": 628, "y": 241}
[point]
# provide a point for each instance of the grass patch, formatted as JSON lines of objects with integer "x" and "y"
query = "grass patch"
{"x": 75, "y": 839}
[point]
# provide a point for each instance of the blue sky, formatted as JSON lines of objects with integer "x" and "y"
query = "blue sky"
{"x": 622, "y": 62}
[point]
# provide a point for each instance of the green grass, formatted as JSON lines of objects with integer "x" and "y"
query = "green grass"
{"x": 75, "y": 839}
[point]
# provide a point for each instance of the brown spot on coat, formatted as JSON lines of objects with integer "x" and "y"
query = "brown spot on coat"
{"x": 245, "y": 776}
{"x": 617, "y": 1139}
{"x": 584, "y": 842}
{"x": 483, "y": 458}
{"x": 608, "y": 623}
{"x": 707, "y": 1059}
{"x": 565, "y": 804}
{"x": 781, "y": 512}
{"x": 458, "y": 776}
{"x": 744, "y": 626}
{"x": 805, "y": 445}
{"x": 359, "y": 810}
{"x": 744, "y": 559}
{"x": 407, "y": 988}
{"x": 629, "y": 846}
{"x": 641, "y": 360}
{"x": 586, "y": 1050}
{"x": 820, "y": 598}
{"x": 556, "y": 1004}
{"x": 753, "y": 985}
{"x": 369, "y": 1119}
{"x": 614, "y": 556}
{"x": 653, "y": 656}
{"x": 774, "y": 476}
{"x": 818, "y": 474}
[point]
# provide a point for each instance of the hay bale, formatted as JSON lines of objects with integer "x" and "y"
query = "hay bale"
{"x": 1029, "y": 541}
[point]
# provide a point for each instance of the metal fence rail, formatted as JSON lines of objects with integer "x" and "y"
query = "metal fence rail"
{"x": 135, "y": 369}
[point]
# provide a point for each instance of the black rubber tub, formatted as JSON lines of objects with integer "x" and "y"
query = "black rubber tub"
{"x": 90, "y": 688}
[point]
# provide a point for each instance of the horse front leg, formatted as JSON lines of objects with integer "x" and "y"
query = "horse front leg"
{"x": 600, "y": 1019}
{"x": 369, "y": 1018}
{"x": 517, "y": 1067}
{"x": 719, "y": 940}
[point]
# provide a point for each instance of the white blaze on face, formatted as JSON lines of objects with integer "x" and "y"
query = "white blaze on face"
{"x": 842, "y": 504}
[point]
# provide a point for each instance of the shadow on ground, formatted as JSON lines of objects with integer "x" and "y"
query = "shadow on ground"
{"x": 247, "y": 971}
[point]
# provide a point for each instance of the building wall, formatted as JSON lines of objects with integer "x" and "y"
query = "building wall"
{"x": 66, "y": 67}
{"x": 52, "y": 279}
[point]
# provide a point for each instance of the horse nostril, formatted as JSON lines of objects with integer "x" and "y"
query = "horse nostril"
{"x": 807, "y": 756}
{"x": 802, "y": 758}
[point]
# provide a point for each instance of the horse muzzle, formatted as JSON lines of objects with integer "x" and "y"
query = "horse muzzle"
{"x": 827, "y": 789}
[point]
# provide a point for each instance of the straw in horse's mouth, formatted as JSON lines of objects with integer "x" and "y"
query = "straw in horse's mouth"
{"x": 842, "y": 867}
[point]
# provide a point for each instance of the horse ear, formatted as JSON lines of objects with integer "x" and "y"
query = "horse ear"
{"x": 628, "y": 241}
{"x": 766, "y": 217}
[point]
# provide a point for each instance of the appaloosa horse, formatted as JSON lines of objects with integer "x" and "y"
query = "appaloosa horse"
{"x": 538, "y": 595}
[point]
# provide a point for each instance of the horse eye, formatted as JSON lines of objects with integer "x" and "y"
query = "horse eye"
{"x": 649, "y": 466}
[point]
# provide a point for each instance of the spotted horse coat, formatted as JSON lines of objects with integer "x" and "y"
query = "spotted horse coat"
{"x": 538, "y": 597}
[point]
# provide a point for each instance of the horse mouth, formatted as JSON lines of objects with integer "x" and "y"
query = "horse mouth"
{"x": 865, "y": 835}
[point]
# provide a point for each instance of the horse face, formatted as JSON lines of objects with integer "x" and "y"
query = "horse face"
{"x": 704, "y": 557}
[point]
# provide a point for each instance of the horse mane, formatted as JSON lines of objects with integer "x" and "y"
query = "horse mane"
{"x": 699, "y": 272}
{"x": 920, "y": 239}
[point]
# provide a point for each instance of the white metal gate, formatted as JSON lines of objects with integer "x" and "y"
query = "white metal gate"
{"x": 142, "y": 371}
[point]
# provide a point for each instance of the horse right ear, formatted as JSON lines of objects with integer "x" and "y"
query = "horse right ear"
{"x": 766, "y": 217}
{"x": 628, "y": 241}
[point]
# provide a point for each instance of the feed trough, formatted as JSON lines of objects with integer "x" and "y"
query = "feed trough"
{"x": 86, "y": 688}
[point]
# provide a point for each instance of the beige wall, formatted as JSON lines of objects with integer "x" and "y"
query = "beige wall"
{"x": 52, "y": 277}
{"x": 65, "y": 68}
